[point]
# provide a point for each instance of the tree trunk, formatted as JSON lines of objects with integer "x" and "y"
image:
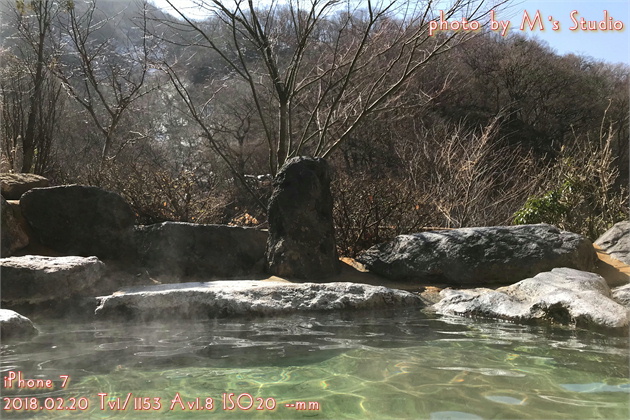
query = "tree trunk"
{"x": 283, "y": 141}
{"x": 28, "y": 141}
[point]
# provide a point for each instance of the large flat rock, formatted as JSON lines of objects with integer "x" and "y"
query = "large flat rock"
{"x": 248, "y": 297}
{"x": 35, "y": 279}
{"x": 563, "y": 296}
{"x": 185, "y": 249}
{"x": 479, "y": 256}
{"x": 616, "y": 241}
{"x": 81, "y": 220}
{"x": 14, "y": 185}
{"x": 13, "y": 325}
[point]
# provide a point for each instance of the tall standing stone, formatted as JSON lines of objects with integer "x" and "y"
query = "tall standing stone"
{"x": 301, "y": 240}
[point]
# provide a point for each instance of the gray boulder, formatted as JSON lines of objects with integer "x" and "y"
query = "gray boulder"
{"x": 80, "y": 220}
{"x": 563, "y": 296}
{"x": 186, "y": 249}
{"x": 14, "y": 325}
{"x": 247, "y": 297}
{"x": 621, "y": 295}
{"x": 301, "y": 234}
{"x": 12, "y": 232}
{"x": 616, "y": 241}
{"x": 14, "y": 185}
{"x": 34, "y": 279}
{"x": 481, "y": 255}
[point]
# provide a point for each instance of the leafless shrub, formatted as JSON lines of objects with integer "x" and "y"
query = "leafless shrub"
{"x": 368, "y": 210}
{"x": 447, "y": 177}
{"x": 471, "y": 177}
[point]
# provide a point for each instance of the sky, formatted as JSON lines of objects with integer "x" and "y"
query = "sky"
{"x": 611, "y": 45}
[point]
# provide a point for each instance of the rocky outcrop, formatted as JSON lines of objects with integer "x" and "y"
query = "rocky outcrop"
{"x": 246, "y": 297}
{"x": 563, "y": 295}
{"x": 621, "y": 295}
{"x": 14, "y": 185}
{"x": 616, "y": 241}
{"x": 477, "y": 256}
{"x": 14, "y": 325}
{"x": 301, "y": 233}
{"x": 185, "y": 249}
{"x": 80, "y": 220}
{"x": 34, "y": 279}
{"x": 12, "y": 233}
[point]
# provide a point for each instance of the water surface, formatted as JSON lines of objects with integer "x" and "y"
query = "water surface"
{"x": 376, "y": 365}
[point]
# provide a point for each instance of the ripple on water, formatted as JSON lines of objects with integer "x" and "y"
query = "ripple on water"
{"x": 487, "y": 371}
{"x": 505, "y": 399}
{"x": 579, "y": 402}
{"x": 597, "y": 387}
{"x": 454, "y": 415}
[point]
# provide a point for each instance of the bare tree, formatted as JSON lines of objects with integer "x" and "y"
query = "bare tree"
{"x": 102, "y": 75}
{"x": 315, "y": 70}
{"x": 16, "y": 88}
{"x": 31, "y": 100}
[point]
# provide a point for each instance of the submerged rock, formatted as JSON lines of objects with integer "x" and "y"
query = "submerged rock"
{"x": 247, "y": 297}
{"x": 482, "y": 255}
{"x": 80, "y": 220}
{"x": 35, "y": 279}
{"x": 14, "y": 325}
{"x": 301, "y": 233}
{"x": 186, "y": 249}
{"x": 14, "y": 185}
{"x": 563, "y": 296}
{"x": 13, "y": 235}
{"x": 616, "y": 241}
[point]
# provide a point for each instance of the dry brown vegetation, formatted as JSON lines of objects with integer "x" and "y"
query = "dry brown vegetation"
{"x": 182, "y": 116}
